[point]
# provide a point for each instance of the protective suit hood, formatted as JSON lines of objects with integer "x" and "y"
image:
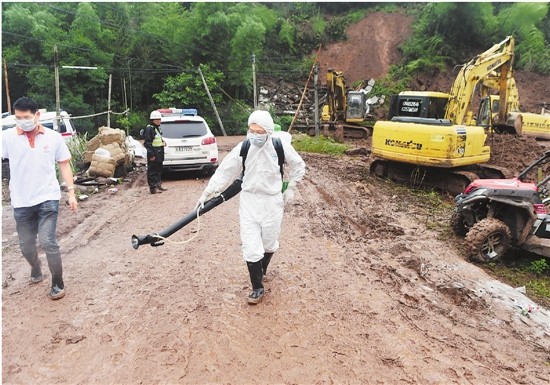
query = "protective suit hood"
{"x": 263, "y": 119}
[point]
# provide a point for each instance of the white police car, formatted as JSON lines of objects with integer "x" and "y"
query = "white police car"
{"x": 189, "y": 145}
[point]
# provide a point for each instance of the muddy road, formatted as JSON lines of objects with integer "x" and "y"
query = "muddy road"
{"x": 368, "y": 287}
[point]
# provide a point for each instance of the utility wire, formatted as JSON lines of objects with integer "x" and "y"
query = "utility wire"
{"x": 156, "y": 70}
{"x": 88, "y": 50}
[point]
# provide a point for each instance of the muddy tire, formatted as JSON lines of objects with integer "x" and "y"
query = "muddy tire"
{"x": 488, "y": 240}
{"x": 457, "y": 224}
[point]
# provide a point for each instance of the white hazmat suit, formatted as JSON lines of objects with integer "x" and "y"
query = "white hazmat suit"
{"x": 261, "y": 201}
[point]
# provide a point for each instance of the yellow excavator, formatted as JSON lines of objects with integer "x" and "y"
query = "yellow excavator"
{"x": 432, "y": 139}
{"x": 344, "y": 114}
{"x": 517, "y": 122}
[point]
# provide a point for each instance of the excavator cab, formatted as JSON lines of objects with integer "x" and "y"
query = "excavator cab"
{"x": 417, "y": 104}
{"x": 488, "y": 110}
{"x": 357, "y": 107}
{"x": 487, "y": 117}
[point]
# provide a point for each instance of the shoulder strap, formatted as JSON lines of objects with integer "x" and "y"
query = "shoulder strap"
{"x": 244, "y": 151}
{"x": 280, "y": 154}
{"x": 278, "y": 148}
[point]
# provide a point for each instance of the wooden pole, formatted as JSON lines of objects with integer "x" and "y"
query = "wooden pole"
{"x": 254, "y": 79}
{"x": 305, "y": 88}
{"x": 212, "y": 102}
{"x": 109, "y": 102}
{"x": 316, "y": 90}
{"x": 7, "y": 87}
{"x": 126, "y": 106}
{"x": 57, "y": 101}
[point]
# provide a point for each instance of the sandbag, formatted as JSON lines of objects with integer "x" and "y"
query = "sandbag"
{"x": 111, "y": 135}
{"x": 93, "y": 144}
{"x": 102, "y": 166}
{"x": 116, "y": 152}
{"x": 87, "y": 156}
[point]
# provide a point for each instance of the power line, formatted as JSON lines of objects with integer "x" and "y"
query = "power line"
{"x": 156, "y": 70}
{"x": 152, "y": 70}
{"x": 126, "y": 58}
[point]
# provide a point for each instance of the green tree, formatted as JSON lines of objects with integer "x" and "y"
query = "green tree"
{"x": 448, "y": 31}
{"x": 186, "y": 90}
{"x": 532, "y": 51}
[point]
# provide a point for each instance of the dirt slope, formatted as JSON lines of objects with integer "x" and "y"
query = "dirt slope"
{"x": 371, "y": 48}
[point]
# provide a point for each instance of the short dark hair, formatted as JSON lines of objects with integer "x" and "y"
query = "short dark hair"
{"x": 26, "y": 104}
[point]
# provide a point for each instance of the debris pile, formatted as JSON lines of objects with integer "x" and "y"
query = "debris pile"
{"x": 284, "y": 97}
{"x": 108, "y": 153}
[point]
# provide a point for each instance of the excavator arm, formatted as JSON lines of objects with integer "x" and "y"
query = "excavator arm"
{"x": 336, "y": 96}
{"x": 493, "y": 82}
{"x": 498, "y": 58}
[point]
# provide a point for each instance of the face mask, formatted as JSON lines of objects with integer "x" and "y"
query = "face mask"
{"x": 257, "y": 139}
{"x": 27, "y": 125}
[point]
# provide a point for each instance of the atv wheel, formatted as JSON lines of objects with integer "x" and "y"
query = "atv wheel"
{"x": 457, "y": 224}
{"x": 488, "y": 240}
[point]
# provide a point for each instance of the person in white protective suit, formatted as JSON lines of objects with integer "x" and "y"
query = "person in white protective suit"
{"x": 261, "y": 201}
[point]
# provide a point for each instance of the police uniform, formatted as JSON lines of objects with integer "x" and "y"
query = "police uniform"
{"x": 155, "y": 148}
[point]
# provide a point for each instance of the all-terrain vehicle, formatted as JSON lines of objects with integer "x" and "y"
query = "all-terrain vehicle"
{"x": 494, "y": 214}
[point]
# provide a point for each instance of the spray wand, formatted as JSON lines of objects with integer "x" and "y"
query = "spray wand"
{"x": 157, "y": 239}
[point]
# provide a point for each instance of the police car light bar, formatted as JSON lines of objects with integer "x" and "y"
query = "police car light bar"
{"x": 178, "y": 111}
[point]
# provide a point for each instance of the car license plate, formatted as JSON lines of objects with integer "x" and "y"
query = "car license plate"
{"x": 184, "y": 149}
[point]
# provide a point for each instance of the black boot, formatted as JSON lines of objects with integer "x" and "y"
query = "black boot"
{"x": 160, "y": 188}
{"x": 36, "y": 272}
{"x": 58, "y": 288}
{"x": 265, "y": 261}
{"x": 256, "y": 275}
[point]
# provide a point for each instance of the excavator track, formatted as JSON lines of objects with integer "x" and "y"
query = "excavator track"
{"x": 454, "y": 180}
{"x": 340, "y": 131}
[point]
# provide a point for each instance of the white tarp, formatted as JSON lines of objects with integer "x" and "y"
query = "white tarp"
{"x": 136, "y": 147}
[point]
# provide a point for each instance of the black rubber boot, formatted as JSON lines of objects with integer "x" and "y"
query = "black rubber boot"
{"x": 265, "y": 261}
{"x": 160, "y": 188}
{"x": 256, "y": 275}
{"x": 58, "y": 288}
{"x": 36, "y": 272}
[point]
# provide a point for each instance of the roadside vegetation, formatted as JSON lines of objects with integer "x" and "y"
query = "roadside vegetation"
{"x": 520, "y": 268}
{"x": 322, "y": 145}
{"x": 77, "y": 147}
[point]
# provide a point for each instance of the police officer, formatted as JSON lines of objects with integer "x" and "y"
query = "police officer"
{"x": 155, "y": 153}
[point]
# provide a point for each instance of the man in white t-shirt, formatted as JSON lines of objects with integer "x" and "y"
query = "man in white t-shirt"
{"x": 32, "y": 151}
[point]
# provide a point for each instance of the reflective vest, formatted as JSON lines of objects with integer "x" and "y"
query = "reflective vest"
{"x": 157, "y": 142}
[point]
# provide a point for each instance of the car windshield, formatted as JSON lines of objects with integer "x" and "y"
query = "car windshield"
{"x": 183, "y": 129}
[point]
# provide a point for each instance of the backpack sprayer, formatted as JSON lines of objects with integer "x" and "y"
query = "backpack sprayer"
{"x": 233, "y": 189}
{"x": 157, "y": 238}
